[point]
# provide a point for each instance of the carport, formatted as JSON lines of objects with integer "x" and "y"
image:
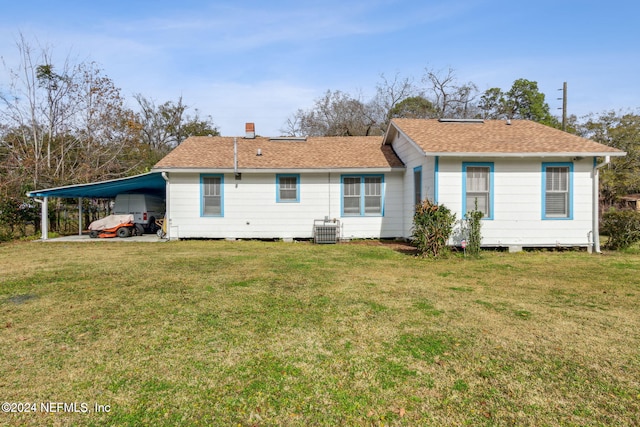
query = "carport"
{"x": 151, "y": 183}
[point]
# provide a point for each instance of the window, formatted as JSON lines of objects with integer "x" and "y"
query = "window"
{"x": 478, "y": 188}
{"x": 556, "y": 190}
{"x": 211, "y": 189}
{"x": 372, "y": 195}
{"x": 362, "y": 195}
{"x": 351, "y": 198}
{"x": 288, "y": 188}
{"x": 417, "y": 185}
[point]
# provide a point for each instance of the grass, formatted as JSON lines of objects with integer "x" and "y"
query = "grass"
{"x": 255, "y": 333}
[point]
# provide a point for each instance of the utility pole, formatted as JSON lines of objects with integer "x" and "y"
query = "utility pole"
{"x": 564, "y": 106}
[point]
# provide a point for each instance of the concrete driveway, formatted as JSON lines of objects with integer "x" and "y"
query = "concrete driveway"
{"x": 86, "y": 238}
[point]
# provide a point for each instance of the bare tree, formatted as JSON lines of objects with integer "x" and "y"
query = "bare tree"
{"x": 451, "y": 99}
{"x": 334, "y": 114}
{"x": 104, "y": 132}
{"x": 293, "y": 125}
{"x": 37, "y": 107}
{"x": 160, "y": 124}
{"x": 165, "y": 126}
{"x": 21, "y": 111}
{"x": 62, "y": 125}
{"x": 389, "y": 93}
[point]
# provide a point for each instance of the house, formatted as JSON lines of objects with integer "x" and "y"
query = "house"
{"x": 536, "y": 186}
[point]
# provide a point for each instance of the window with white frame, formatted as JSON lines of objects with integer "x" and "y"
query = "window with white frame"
{"x": 478, "y": 188}
{"x": 556, "y": 190}
{"x": 372, "y": 195}
{"x": 288, "y": 188}
{"x": 362, "y": 195}
{"x": 351, "y": 195}
{"x": 211, "y": 190}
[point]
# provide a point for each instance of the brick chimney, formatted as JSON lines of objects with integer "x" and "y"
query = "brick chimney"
{"x": 250, "y": 130}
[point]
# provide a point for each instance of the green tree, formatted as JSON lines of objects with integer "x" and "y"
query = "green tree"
{"x": 493, "y": 104}
{"x": 622, "y": 131}
{"x": 414, "y": 107}
{"x": 523, "y": 101}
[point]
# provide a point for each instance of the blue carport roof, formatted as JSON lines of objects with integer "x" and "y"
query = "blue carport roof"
{"x": 151, "y": 183}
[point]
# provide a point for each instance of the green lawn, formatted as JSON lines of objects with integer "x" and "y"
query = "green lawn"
{"x": 296, "y": 334}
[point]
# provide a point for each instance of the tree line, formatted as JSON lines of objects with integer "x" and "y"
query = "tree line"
{"x": 67, "y": 123}
{"x": 438, "y": 94}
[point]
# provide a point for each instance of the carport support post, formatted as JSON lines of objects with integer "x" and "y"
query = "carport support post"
{"x": 79, "y": 216}
{"x": 44, "y": 221}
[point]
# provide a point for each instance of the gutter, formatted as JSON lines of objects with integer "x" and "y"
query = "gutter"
{"x": 525, "y": 155}
{"x": 332, "y": 169}
{"x": 596, "y": 203}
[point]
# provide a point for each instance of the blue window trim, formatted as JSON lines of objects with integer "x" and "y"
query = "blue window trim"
{"x": 288, "y": 175}
{"x": 417, "y": 169}
{"x": 544, "y": 190}
{"x": 490, "y": 165}
{"x": 212, "y": 175}
{"x": 436, "y": 168}
{"x": 362, "y": 177}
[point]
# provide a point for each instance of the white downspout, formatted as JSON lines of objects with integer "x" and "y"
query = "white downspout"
{"x": 44, "y": 220}
{"x": 167, "y": 214}
{"x": 596, "y": 203}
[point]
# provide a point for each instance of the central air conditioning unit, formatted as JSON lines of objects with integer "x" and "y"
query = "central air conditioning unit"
{"x": 326, "y": 230}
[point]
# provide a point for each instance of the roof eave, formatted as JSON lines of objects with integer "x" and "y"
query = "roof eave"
{"x": 46, "y": 192}
{"x": 532, "y": 155}
{"x": 373, "y": 169}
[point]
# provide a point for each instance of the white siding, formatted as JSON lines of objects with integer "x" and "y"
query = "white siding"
{"x": 518, "y": 202}
{"x": 412, "y": 158}
{"x": 251, "y": 210}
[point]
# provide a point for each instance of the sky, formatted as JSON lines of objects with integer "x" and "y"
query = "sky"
{"x": 260, "y": 61}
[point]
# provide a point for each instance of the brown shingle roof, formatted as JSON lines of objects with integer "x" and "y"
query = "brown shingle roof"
{"x": 496, "y": 137}
{"x": 314, "y": 153}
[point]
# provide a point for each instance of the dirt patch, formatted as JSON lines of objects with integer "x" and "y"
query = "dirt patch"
{"x": 396, "y": 245}
{"x": 20, "y": 299}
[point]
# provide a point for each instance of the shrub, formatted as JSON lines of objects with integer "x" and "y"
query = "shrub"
{"x": 16, "y": 213}
{"x": 474, "y": 235}
{"x": 432, "y": 227}
{"x": 622, "y": 228}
